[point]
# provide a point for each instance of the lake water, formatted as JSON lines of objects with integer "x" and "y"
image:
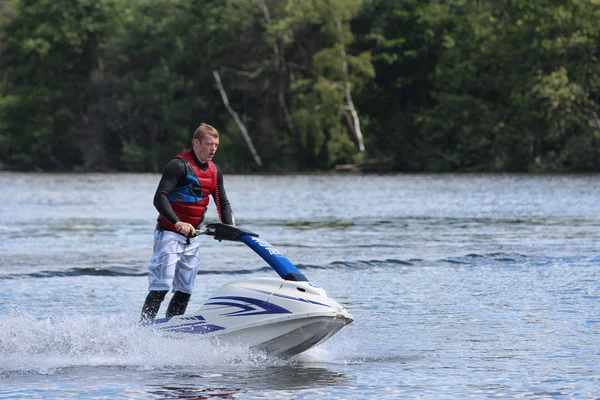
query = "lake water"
{"x": 461, "y": 286}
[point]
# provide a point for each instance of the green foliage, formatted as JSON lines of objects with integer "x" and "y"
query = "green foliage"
{"x": 502, "y": 95}
{"x": 319, "y": 99}
{"x": 50, "y": 47}
{"x": 467, "y": 85}
{"x": 570, "y": 126}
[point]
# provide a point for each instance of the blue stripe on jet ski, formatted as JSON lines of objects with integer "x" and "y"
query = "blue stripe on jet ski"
{"x": 290, "y": 297}
{"x": 163, "y": 320}
{"x": 267, "y": 308}
{"x": 159, "y": 321}
{"x": 193, "y": 318}
{"x": 199, "y": 329}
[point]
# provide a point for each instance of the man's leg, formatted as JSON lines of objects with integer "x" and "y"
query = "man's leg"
{"x": 152, "y": 305}
{"x": 167, "y": 250}
{"x": 178, "y": 304}
{"x": 185, "y": 276}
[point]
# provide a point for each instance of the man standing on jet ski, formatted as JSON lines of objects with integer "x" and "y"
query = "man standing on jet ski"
{"x": 182, "y": 198}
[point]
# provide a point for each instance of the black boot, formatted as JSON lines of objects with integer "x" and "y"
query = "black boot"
{"x": 152, "y": 305}
{"x": 178, "y": 304}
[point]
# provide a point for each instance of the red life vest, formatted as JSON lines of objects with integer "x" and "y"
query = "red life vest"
{"x": 190, "y": 201}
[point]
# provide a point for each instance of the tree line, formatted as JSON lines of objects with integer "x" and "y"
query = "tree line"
{"x": 301, "y": 85}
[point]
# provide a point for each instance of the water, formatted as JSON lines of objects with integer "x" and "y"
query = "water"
{"x": 461, "y": 286}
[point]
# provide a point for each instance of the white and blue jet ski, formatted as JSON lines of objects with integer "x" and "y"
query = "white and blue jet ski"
{"x": 281, "y": 316}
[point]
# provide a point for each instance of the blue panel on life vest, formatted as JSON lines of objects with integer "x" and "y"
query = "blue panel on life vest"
{"x": 186, "y": 194}
{"x": 284, "y": 267}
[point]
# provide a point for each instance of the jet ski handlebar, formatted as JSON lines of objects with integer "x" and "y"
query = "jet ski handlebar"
{"x": 284, "y": 267}
{"x": 224, "y": 231}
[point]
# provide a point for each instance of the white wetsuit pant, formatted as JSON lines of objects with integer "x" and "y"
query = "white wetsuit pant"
{"x": 173, "y": 263}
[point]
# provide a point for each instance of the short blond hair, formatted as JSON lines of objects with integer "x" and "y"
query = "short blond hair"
{"x": 203, "y": 130}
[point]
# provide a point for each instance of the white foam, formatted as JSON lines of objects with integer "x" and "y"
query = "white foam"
{"x": 336, "y": 351}
{"x": 43, "y": 345}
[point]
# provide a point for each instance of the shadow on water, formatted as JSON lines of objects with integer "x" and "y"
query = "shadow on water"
{"x": 233, "y": 383}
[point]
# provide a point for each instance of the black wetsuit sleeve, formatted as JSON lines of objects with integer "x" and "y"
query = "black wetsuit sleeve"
{"x": 174, "y": 170}
{"x": 221, "y": 200}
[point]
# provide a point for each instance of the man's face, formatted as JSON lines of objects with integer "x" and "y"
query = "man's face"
{"x": 206, "y": 149}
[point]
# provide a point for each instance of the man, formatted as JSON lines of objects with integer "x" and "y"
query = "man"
{"x": 182, "y": 199}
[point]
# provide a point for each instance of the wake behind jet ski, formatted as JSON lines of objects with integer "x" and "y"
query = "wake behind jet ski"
{"x": 281, "y": 316}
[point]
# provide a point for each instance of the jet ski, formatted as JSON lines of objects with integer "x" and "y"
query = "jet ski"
{"x": 281, "y": 316}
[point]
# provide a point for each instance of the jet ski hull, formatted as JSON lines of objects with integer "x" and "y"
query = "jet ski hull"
{"x": 313, "y": 331}
{"x": 282, "y": 318}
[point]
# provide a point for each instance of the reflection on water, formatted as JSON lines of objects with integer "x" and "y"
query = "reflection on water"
{"x": 292, "y": 377}
{"x": 175, "y": 392}
{"x": 230, "y": 383}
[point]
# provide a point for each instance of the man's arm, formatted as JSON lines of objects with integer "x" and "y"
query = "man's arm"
{"x": 220, "y": 197}
{"x": 168, "y": 182}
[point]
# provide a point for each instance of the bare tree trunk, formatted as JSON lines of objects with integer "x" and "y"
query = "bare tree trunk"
{"x": 236, "y": 118}
{"x": 355, "y": 125}
{"x": 265, "y": 10}
{"x": 286, "y": 113}
{"x": 596, "y": 118}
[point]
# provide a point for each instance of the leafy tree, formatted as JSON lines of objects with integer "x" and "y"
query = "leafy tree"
{"x": 499, "y": 62}
{"x": 555, "y": 46}
{"x": 51, "y": 46}
{"x": 315, "y": 36}
{"x": 507, "y": 85}
{"x": 162, "y": 58}
{"x": 404, "y": 55}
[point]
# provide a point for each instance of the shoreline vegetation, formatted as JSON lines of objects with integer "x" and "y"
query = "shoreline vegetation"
{"x": 342, "y": 86}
